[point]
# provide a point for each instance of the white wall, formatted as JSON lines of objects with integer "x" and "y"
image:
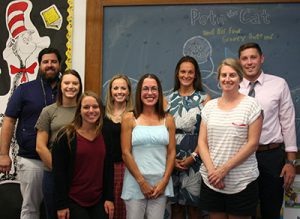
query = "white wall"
{"x": 79, "y": 26}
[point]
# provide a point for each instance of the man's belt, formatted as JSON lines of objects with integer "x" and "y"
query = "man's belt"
{"x": 267, "y": 147}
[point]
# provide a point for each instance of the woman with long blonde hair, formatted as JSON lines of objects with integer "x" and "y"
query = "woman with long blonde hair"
{"x": 118, "y": 102}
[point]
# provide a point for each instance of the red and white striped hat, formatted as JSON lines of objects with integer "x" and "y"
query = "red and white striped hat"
{"x": 15, "y": 17}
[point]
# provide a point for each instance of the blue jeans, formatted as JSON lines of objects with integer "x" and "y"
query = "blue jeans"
{"x": 48, "y": 192}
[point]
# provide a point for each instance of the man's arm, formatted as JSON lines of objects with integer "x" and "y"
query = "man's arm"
{"x": 287, "y": 122}
{"x": 7, "y": 132}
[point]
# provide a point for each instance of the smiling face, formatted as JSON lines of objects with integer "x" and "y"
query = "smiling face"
{"x": 251, "y": 62}
{"x": 149, "y": 92}
{"x": 186, "y": 74}
{"x": 70, "y": 86}
{"x": 119, "y": 90}
{"x": 90, "y": 110}
{"x": 50, "y": 67}
{"x": 229, "y": 79}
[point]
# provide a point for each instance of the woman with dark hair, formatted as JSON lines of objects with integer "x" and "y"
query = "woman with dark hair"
{"x": 52, "y": 118}
{"x": 83, "y": 165}
{"x": 118, "y": 101}
{"x": 148, "y": 147}
{"x": 185, "y": 104}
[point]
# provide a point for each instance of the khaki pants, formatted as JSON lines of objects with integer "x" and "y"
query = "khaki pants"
{"x": 30, "y": 175}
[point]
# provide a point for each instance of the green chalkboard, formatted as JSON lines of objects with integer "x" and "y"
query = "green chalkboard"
{"x": 151, "y": 39}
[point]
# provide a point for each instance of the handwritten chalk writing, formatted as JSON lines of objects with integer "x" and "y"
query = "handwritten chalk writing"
{"x": 234, "y": 30}
{"x": 203, "y": 19}
{"x": 226, "y": 39}
{"x": 244, "y": 16}
{"x": 269, "y": 37}
{"x": 221, "y": 31}
{"x": 248, "y": 16}
{"x": 211, "y": 32}
{"x": 257, "y": 36}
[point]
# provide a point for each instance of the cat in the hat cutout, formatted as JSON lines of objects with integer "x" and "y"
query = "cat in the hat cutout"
{"x": 23, "y": 44}
{"x": 20, "y": 53}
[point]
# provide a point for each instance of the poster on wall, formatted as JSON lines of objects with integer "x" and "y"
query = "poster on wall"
{"x": 27, "y": 27}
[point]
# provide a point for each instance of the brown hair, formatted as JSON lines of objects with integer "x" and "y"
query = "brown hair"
{"x": 70, "y": 129}
{"x": 197, "y": 83}
{"x": 59, "y": 100}
{"x": 159, "y": 108}
{"x": 249, "y": 46}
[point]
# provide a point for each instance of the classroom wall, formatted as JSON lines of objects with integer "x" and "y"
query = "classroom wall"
{"x": 79, "y": 33}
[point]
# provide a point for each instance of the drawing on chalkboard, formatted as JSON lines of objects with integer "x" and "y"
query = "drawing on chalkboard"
{"x": 200, "y": 48}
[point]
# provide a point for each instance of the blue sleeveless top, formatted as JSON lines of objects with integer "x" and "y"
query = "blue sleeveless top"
{"x": 149, "y": 150}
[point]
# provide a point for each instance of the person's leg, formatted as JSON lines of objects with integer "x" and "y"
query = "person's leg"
{"x": 78, "y": 212}
{"x": 178, "y": 211}
{"x": 30, "y": 176}
{"x": 238, "y": 217}
{"x": 98, "y": 211}
{"x": 212, "y": 202}
{"x": 120, "y": 209}
{"x": 218, "y": 215}
{"x": 48, "y": 192}
{"x": 271, "y": 190}
{"x": 194, "y": 212}
{"x": 135, "y": 209}
{"x": 156, "y": 207}
{"x": 244, "y": 203}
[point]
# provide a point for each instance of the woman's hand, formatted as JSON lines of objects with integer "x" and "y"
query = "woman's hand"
{"x": 109, "y": 209}
{"x": 180, "y": 165}
{"x": 187, "y": 162}
{"x": 159, "y": 188}
{"x": 146, "y": 189}
{"x": 216, "y": 176}
{"x": 63, "y": 214}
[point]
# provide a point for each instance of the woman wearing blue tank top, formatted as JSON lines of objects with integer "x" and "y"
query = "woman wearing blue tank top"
{"x": 148, "y": 151}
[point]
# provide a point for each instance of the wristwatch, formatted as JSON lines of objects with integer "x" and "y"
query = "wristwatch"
{"x": 293, "y": 162}
{"x": 194, "y": 156}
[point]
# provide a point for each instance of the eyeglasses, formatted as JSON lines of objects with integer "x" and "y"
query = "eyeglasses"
{"x": 153, "y": 89}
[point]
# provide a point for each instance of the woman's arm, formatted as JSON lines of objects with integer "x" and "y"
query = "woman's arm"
{"x": 126, "y": 135}
{"x": 203, "y": 151}
{"x": 171, "y": 153}
{"x": 246, "y": 150}
{"x": 42, "y": 148}
{"x": 191, "y": 159}
{"x": 202, "y": 147}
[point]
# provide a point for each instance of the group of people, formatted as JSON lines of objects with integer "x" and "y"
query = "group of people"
{"x": 133, "y": 158}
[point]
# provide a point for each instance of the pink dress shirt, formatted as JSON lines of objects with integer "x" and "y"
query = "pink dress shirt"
{"x": 273, "y": 94}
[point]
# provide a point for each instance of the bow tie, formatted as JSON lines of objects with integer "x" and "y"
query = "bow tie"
{"x": 30, "y": 70}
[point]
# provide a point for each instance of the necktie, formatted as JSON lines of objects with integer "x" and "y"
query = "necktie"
{"x": 252, "y": 91}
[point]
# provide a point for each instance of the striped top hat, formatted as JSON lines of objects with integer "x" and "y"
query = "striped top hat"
{"x": 15, "y": 17}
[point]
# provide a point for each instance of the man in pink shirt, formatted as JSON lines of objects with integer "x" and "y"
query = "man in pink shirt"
{"x": 276, "y": 154}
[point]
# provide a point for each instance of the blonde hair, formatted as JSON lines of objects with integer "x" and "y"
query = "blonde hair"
{"x": 233, "y": 63}
{"x": 109, "y": 108}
